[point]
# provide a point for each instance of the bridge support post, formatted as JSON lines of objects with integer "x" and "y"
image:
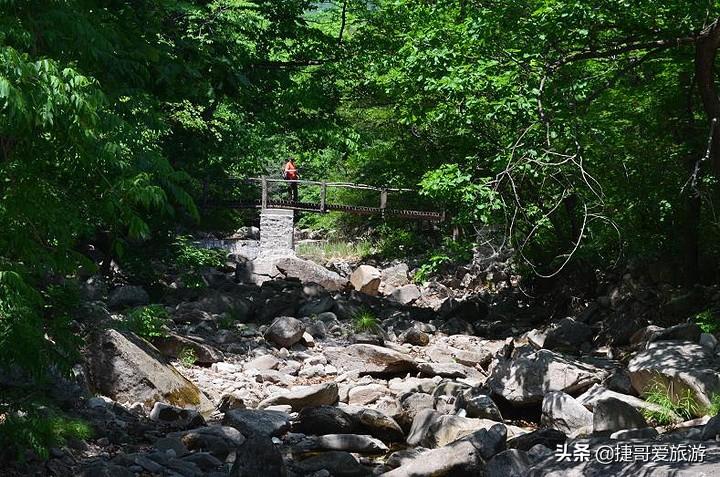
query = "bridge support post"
{"x": 323, "y": 196}
{"x": 264, "y": 197}
{"x": 277, "y": 232}
{"x": 383, "y": 201}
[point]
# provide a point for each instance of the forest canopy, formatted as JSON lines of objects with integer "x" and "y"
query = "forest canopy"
{"x": 578, "y": 131}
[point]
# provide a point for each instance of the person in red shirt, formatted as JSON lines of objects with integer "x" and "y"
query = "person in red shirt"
{"x": 290, "y": 173}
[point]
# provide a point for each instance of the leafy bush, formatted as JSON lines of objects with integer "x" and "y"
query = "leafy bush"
{"x": 190, "y": 260}
{"x": 670, "y": 407}
{"x": 38, "y": 431}
{"x": 714, "y": 407}
{"x": 450, "y": 251}
{"x": 187, "y": 356}
{"x": 147, "y": 321}
{"x": 365, "y": 321}
{"x": 708, "y": 322}
{"x": 395, "y": 243}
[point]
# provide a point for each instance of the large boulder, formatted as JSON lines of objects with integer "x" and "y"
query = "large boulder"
{"x": 337, "y": 463}
{"x": 285, "y": 331}
{"x": 304, "y": 396}
{"x": 258, "y": 456}
{"x": 679, "y": 366}
{"x": 598, "y": 392}
{"x": 324, "y": 420}
{"x": 567, "y": 334}
{"x": 509, "y": 463}
{"x": 218, "y": 440}
{"x": 310, "y": 272}
{"x": 405, "y": 294}
{"x": 394, "y": 277}
{"x": 446, "y": 429}
{"x": 562, "y": 412}
{"x": 529, "y": 375}
{"x": 370, "y": 359}
{"x": 463, "y": 458}
{"x": 612, "y": 415}
{"x": 126, "y": 368}
{"x": 366, "y": 279}
{"x": 252, "y": 422}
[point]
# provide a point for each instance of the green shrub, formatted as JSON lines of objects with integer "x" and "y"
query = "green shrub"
{"x": 365, "y": 321}
{"x": 190, "y": 260}
{"x": 38, "y": 430}
{"x": 187, "y": 356}
{"x": 148, "y": 321}
{"x": 670, "y": 407}
{"x": 714, "y": 408}
{"x": 708, "y": 322}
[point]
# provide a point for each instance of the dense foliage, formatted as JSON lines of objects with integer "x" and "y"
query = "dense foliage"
{"x": 571, "y": 130}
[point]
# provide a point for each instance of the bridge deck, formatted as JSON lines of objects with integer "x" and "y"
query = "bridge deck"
{"x": 266, "y": 202}
{"x": 316, "y": 207}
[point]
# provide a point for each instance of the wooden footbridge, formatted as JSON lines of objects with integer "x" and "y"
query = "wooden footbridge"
{"x": 243, "y": 194}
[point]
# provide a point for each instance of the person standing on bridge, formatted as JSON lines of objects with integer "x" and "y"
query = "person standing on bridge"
{"x": 290, "y": 173}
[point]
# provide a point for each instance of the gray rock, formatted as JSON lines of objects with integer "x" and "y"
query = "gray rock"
{"x": 447, "y": 370}
{"x": 307, "y": 396}
{"x": 324, "y": 420}
{"x": 681, "y": 332}
{"x": 612, "y": 415}
{"x": 343, "y": 442}
{"x": 410, "y": 405}
{"x": 251, "y": 422}
{"x": 679, "y": 365}
{"x": 567, "y": 334}
{"x": 445, "y": 429}
{"x": 310, "y": 272}
{"x": 285, "y": 331}
{"x": 337, "y": 463}
{"x": 509, "y": 463}
{"x": 175, "y": 416}
{"x": 370, "y": 359}
{"x": 527, "y": 377}
{"x": 562, "y": 412}
{"x": 218, "y": 440}
{"x": 316, "y": 306}
{"x": 175, "y": 445}
{"x": 366, "y": 394}
{"x": 597, "y": 393}
{"x": 126, "y": 368}
{"x": 464, "y": 457}
{"x": 394, "y": 277}
{"x": 708, "y": 341}
{"x": 258, "y": 456}
{"x": 228, "y": 402}
{"x": 264, "y": 362}
{"x": 405, "y": 294}
{"x": 711, "y": 429}
{"x": 128, "y": 296}
{"x": 415, "y": 337}
{"x": 366, "y": 279}
{"x": 479, "y": 405}
{"x": 185, "y": 468}
{"x": 549, "y": 438}
{"x": 204, "y": 460}
{"x": 423, "y": 421}
{"x": 381, "y": 426}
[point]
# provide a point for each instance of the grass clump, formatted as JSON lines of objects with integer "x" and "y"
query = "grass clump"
{"x": 187, "y": 357}
{"x": 325, "y": 251}
{"x": 714, "y": 408}
{"x": 365, "y": 321}
{"x": 148, "y": 321}
{"x": 669, "y": 406}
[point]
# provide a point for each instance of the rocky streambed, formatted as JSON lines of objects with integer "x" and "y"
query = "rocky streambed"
{"x": 286, "y": 380}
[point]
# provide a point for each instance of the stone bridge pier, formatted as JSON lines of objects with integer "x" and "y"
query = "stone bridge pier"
{"x": 277, "y": 232}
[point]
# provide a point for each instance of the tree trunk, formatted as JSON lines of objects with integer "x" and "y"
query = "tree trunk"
{"x": 706, "y": 48}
